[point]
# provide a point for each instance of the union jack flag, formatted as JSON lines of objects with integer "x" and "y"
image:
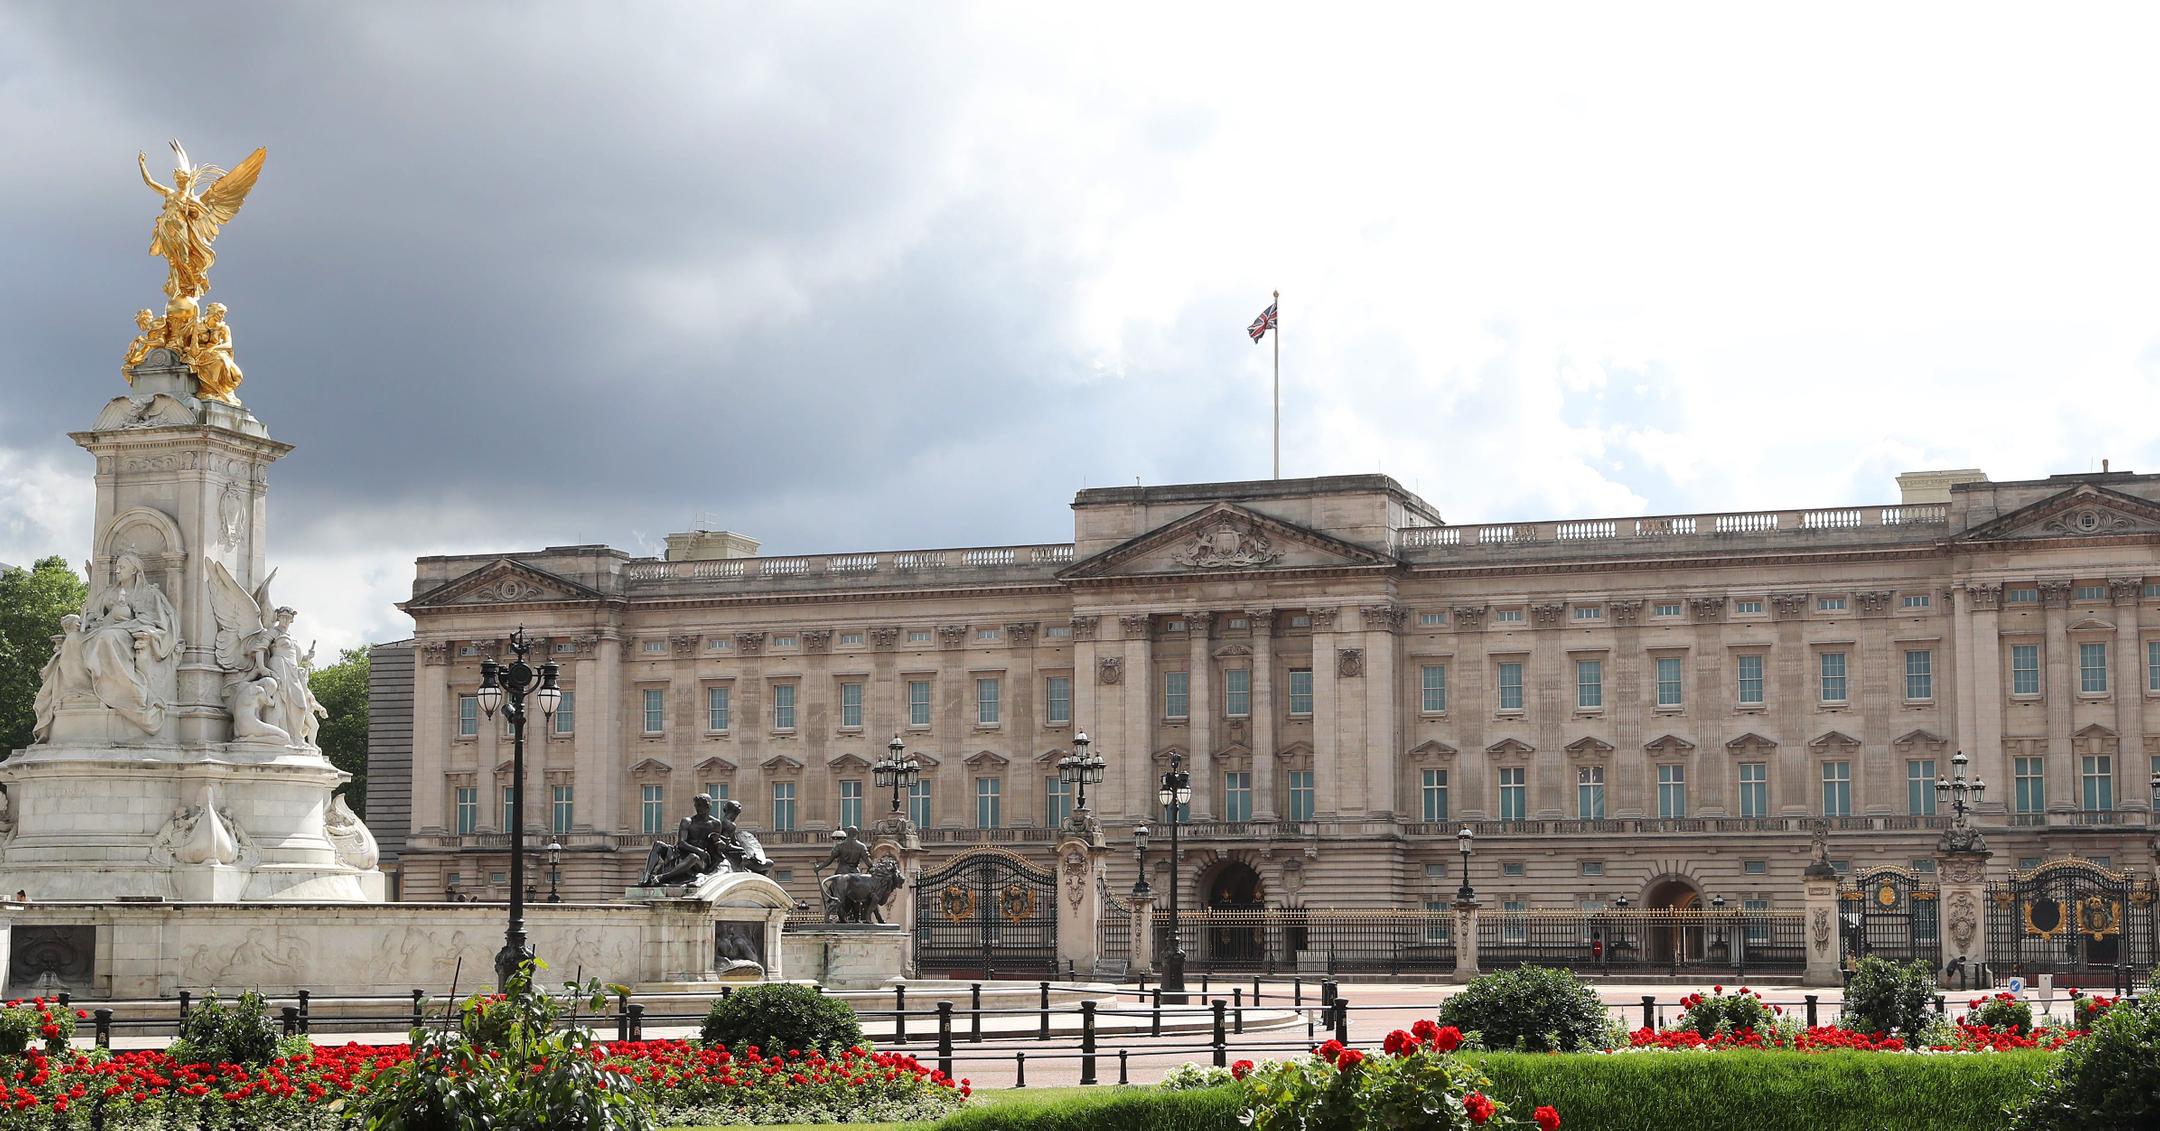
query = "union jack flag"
{"x": 1261, "y": 325}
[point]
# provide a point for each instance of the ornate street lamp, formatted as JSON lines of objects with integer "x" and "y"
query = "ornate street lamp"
{"x": 1465, "y": 893}
{"x": 504, "y": 689}
{"x": 1139, "y": 844}
{"x": 554, "y": 855}
{"x": 1717, "y": 911}
{"x": 2156, "y": 790}
{"x": 1175, "y": 795}
{"x": 896, "y": 771}
{"x": 1080, "y": 769}
{"x": 1960, "y": 836}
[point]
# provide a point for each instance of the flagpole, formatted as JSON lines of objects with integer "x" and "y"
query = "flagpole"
{"x": 1278, "y": 384}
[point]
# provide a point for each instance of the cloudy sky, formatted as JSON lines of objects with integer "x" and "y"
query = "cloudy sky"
{"x": 886, "y": 276}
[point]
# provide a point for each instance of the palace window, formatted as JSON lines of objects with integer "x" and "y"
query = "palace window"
{"x": 716, "y": 708}
{"x": 1754, "y": 790}
{"x": 719, "y": 644}
{"x": 1514, "y": 793}
{"x": 1237, "y": 692}
{"x": 783, "y": 806}
{"x": 1301, "y": 795}
{"x": 918, "y": 803}
{"x": 987, "y": 635}
{"x": 1837, "y": 789}
{"x": 988, "y": 798}
{"x": 1589, "y": 684}
{"x": 1668, "y": 681}
{"x": 1747, "y": 608}
{"x": 1432, "y": 794}
{"x": 718, "y": 791}
{"x": 851, "y": 705}
{"x": 2092, "y": 669}
{"x": 1829, "y": 604}
{"x": 2097, "y": 775}
{"x": 1301, "y": 691}
{"x": 2021, "y": 596}
{"x": 783, "y": 706}
{"x": 918, "y": 636}
{"x": 1507, "y": 616}
{"x": 1431, "y": 618}
{"x": 851, "y": 639}
{"x": 1920, "y": 787}
{"x": 1751, "y": 680}
{"x": 652, "y": 807}
{"x": 1176, "y": 695}
{"x": 1588, "y": 613}
{"x": 2092, "y": 593}
{"x": 566, "y": 713}
{"x": 655, "y": 647}
{"x": 2152, "y": 666}
{"x": 502, "y": 815}
{"x": 1590, "y": 793}
{"x": 851, "y": 803}
{"x": 2030, "y": 778}
{"x": 655, "y": 710}
{"x": 986, "y": 702}
{"x": 468, "y": 716}
{"x": 1754, "y": 867}
{"x": 1058, "y": 800}
{"x": 1667, "y": 610}
{"x": 465, "y": 818}
{"x": 1672, "y": 791}
{"x": 918, "y": 702}
{"x": 1511, "y": 686}
{"x": 1917, "y": 600}
{"x": 1920, "y": 674}
{"x": 563, "y": 809}
{"x": 1832, "y": 665}
{"x": 1237, "y": 795}
{"x": 2024, "y": 669}
{"x": 1057, "y": 700}
{"x": 1433, "y": 681}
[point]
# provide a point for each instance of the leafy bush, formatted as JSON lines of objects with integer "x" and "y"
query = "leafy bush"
{"x": 1186, "y": 1077}
{"x": 1768, "y": 1091}
{"x": 531, "y": 1079}
{"x": 1419, "y": 1082}
{"x": 2109, "y": 1078}
{"x": 2000, "y": 1011}
{"x": 1122, "y": 1109}
{"x": 1883, "y": 997}
{"x": 1742, "y": 1011}
{"x": 27, "y": 1022}
{"x": 777, "y": 1017}
{"x": 2087, "y": 1008}
{"x": 217, "y": 1032}
{"x": 1532, "y": 1007}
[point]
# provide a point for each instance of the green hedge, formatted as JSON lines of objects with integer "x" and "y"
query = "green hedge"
{"x": 1767, "y": 1091}
{"x": 1122, "y": 1109}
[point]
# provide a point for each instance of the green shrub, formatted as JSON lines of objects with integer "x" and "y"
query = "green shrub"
{"x": 1533, "y": 1008}
{"x": 1719, "y": 1012}
{"x": 220, "y": 1032}
{"x": 1883, "y": 997}
{"x": 1123, "y": 1109}
{"x": 779, "y": 1017}
{"x": 2000, "y": 1011}
{"x": 1768, "y": 1091}
{"x": 2108, "y": 1078}
{"x": 33, "y": 1021}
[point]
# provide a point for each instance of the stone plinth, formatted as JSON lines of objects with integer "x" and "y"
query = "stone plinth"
{"x": 846, "y": 956}
{"x": 722, "y": 927}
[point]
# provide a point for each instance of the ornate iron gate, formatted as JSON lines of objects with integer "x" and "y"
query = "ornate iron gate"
{"x": 1892, "y": 913}
{"x": 987, "y": 913}
{"x": 2071, "y": 918}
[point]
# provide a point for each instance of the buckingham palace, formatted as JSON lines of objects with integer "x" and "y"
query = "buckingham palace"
{"x": 1655, "y": 711}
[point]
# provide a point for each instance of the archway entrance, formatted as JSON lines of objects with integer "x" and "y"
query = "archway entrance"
{"x": 1233, "y": 931}
{"x": 1233, "y": 886}
{"x": 1672, "y": 938}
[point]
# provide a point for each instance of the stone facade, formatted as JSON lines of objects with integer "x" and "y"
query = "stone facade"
{"x": 1657, "y": 707}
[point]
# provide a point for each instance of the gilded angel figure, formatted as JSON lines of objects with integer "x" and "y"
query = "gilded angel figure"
{"x": 188, "y": 224}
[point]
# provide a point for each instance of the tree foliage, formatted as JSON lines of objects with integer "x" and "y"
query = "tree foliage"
{"x": 32, "y": 601}
{"x": 342, "y": 689}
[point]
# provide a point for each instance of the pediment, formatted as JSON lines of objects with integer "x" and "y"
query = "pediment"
{"x": 1925, "y": 738}
{"x": 1167, "y": 752}
{"x": 2093, "y": 624}
{"x": 1233, "y": 750}
{"x": 1751, "y": 743}
{"x": 1052, "y": 756}
{"x": 925, "y": 761}
{"x": 2094, "y": 730}
{"x": 1589, "y": 746}
{"x": 651, "y": 768}
{"x": 848, "y": 762}
{"x": 1225, "y": 538}
{"x": 1514, "y": 747}
{"x": 2085, "y": 511}
{"x": 1298, "y": 749}
{"x": 1669, "y": 744}
{"x": 716, "y": 765}
{"x": 1433, "y": 748}
{"x": 502, "y": 582}
{"x": 1232, "y": 652}
{"x": 982, "y": 758}
{"x": 781, "y": 764}
{"x": 505, "y": 768}
{"x": 1834, "y": 739}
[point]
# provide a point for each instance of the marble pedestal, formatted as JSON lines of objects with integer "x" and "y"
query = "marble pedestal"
{"x": 847, "y": 956}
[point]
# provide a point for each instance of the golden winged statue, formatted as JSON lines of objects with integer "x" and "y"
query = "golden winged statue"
{"x": 201, "y": 199}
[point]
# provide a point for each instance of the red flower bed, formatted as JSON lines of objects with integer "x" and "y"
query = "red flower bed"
{"x": 1823, "y": 1038}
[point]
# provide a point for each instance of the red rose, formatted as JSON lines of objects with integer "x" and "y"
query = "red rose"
{"x": 1448, "y": 1039}
{"x": 1477, "y": 1107}
{"x": 1241, "y": 1070}
{"x": 1547, "y": 1118}
{"x": 1349, "y": 1059}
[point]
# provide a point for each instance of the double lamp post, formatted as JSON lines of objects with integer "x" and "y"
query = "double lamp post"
{"x": 505, "y": 689}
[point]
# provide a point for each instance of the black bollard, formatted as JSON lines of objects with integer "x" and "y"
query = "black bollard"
{"x": 303, "y": 1007}
{"x": 1328, "y": 989}
{"x": 1342, "y": 1019}
{"x": 975, "y": 1012}
{"x": 1155, "y": 1012}
{"x": 1256, "y": 991}
{"x": 1811, "y": 1000}
{"x": 1649, "y": 1012}
{"x": 1087, "y": 1042}
{"x": 290, "y": 1015}
{"x": 184, "y": 998}
{"x": 66, "y": 999}
{"x": 637, "y": 1020}
{"x": 622, "y": 1018}
{"x": 418, "y": 997}
{"x": 1043, "y": 1030}
{"x": 1221, "y": 1043}
{"x": 1019, "y": 1070}
{"x": 944, "y": 1038}
{"x": 104, "y": 1027}
{"x": 899, "y": 1017}
{"x": 1122, "y": 1078}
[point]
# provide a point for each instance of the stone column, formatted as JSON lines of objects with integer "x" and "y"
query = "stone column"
{"x": 1142, "y": 946}
{"x": 1263, "y": 713}
{"x": 2129, "y": 689}
{"x": 1961, "y": 879}
{"x": 1466, "y": 956}
{"x": 1980, "y": 697}
{"x": 1200, "y": 712}
{"x": 1819, "y": 884}
{"x": 1380, "y": 699}
{"x": 1329, "y": 753}
{"x": 1131, "y": 685}
{"x": 599, "y": 760}
{"x": 2059, "y": 652}
{"x": 1081, "y": 866}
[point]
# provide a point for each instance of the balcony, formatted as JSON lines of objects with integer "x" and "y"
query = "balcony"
{"x": 1676, "y": 535}
{"x": 961, "y": 566}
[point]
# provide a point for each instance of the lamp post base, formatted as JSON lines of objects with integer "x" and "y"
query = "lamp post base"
{"x": 1173, "y": 977}
{"x": 508, "y": 960}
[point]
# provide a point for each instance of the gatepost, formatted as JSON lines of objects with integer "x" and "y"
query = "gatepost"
{"x": 1961, "y": 874}
{"x": 1820, "y": 885}
{"x": 897, "y": 839}
{"x": 1080, "y": 903}
{"x": 1466, "y": 957}
{"x": 1142, "y": 947}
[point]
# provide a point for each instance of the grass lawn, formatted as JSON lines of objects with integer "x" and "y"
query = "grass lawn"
{"x": 983, "y": 1098}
